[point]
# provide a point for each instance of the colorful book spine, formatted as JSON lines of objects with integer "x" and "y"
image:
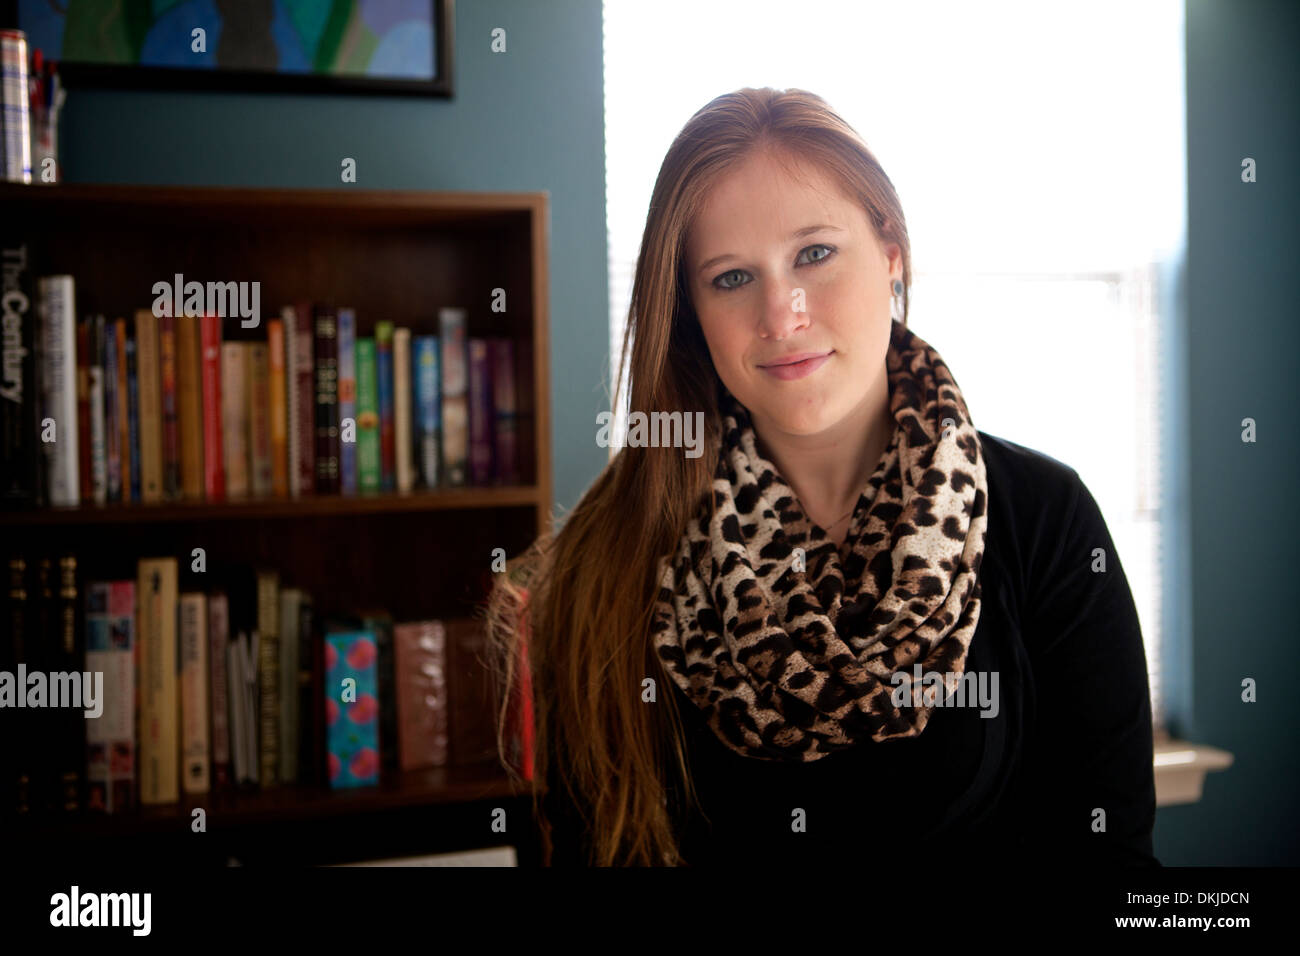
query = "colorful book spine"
{"x": 428, "y": 409}
{"x": 402, "y": 440}
{"x": 171, "y": 439}
{"x": 259, "y": 419}
{"x": 352, "y": 709}
{"x": 327, "y": 402}
{"x": 98, "y": 435}
{"x": 384, "y": 384}
{"x": 147, "y": 367}
{"x": 59, "y": 382}
{"x": 278, "y": 408}
{"x": 189, "y": 405}
{"x": 506, "y": 411}
{"x": 218, "y": 638}
{"x": 234, "y": 416}
{"x": 348, "y": 400}
{"x": 368, "y": 466}
{"x": 195, "y": 752}
{"x": 133, "y": 417}
{"x": 19, "y": 402}
{"x": 214, "y": 458}
{"x": 159, "y": 746}
{"x": 123, "y": 410}
{"x": 455, "y": 396}
{"x": 304, "y": 372}
{"x": 112, "y": 433}
{"x": 480, "y": 413}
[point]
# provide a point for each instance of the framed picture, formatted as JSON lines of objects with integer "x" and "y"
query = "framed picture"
{"x": 321, "y": 46}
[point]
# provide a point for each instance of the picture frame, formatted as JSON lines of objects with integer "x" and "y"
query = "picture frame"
{"x": 402, "y": 46}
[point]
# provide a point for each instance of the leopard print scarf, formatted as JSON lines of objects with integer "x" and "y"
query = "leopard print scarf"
{"x": 791, "y": 664}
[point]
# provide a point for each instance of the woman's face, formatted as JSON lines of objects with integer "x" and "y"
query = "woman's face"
{"x": 781, "y": 269}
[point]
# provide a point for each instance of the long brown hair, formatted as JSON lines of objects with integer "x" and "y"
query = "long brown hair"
{"x": 592, "y": 585}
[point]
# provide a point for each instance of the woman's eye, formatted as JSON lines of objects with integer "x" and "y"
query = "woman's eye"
{"x": 720, "y": 281}
{"x": 722, "y": 284}
{"x": 828, "y": 251}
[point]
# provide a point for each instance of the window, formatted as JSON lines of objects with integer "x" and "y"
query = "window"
{"x": 1038, "y": 153}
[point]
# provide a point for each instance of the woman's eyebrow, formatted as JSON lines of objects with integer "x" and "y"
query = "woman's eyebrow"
{"x": 797, "y": 234}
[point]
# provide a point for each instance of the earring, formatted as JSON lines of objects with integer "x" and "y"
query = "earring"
{"x": 896, "y": 302}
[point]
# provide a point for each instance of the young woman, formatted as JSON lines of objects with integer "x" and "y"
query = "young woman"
{"x": 856, "y": 625}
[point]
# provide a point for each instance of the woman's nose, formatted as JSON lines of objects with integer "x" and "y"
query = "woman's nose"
{"x": 784, "y": 310}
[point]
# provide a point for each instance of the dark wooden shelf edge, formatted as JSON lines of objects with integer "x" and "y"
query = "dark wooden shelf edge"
{"x": 309, "y": 506}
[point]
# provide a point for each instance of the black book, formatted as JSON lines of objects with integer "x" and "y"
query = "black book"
{"x": 19, "y": 386}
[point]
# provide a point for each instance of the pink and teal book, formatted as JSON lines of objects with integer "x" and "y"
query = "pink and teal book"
{"x": 352, "y": 708}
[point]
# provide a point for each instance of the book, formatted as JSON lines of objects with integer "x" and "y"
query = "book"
{"x": 348, "y": 400}
{"x": 69, "y": 723}
{"x": 327, "y": 402}
{"x": 84, "y": 438}
{"x": 120, "y": 336}
{"x": 112, "y": 431}
{"x": 420, "y": 686}
{"x": 234, "y": 417}
{"x": 19, "y": 400}
{"x": 279, "y": 409}
{"x": 214, "y": 457}
{"x": 242, "y": 655}
{"x": 133, "y": 417}
{"x": 259, "y": 419}
{"x": 110, "y": 738}
{"x": 480, "y": 413}
{"x": 98, "y": 436}
{"x": 369, "y": 475}
{"x": 268, "y": 676}
{"x": 59, "y": 380}
{"x": 301, "y": 381}
{"x": 384, "y": 390}
{"x": 171, "y": 439}
{"x": 189, "y": 405}
{"x": 195, "y": 713}
{"x": 149, "y": 389}
{"x": 455, "y": 396}
{"x": 351, "y": 709}
{"x": 218, "y": 641}
{"x": 290, "y": 621}
{"x": 156, "y": 586}
{"x": 506, "y": 410}
{"x": 402, "y": 433}
{"x": 428, "y": 409}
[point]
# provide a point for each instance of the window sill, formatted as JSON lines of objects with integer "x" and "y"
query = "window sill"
{"x": 1181, "y": 768}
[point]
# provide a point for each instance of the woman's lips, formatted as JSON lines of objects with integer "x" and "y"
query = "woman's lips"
{"x": 796, "y": 369}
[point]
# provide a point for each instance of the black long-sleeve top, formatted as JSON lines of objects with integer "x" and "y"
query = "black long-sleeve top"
{"x": 1072, "y": 735}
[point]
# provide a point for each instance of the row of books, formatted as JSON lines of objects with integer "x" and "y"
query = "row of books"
{"x": 241, "y": 685}
{"x": 161, "y": 408}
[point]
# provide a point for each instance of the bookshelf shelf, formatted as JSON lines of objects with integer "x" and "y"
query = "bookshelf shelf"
{"x": 450, "y": 499}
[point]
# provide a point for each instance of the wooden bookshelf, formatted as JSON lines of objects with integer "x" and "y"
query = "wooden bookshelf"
{"x": 398, "y": 256}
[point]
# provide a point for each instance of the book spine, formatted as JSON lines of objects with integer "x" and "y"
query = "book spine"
{"x": 234, "y": 416}
{"x": 84, "y": 438}
{"x": 421, "y": 691}
{"x": 159, "y": 776}
{"x": 259, "y": 419}
{"x": 480, "y": 413}
{"x": 505, "y": 409}
{"x": 218, "y": 639}
{"x": 19, "y": 400}
{"x": 428, "y": 403}
{"x": 287, "y": 317}
{"x": 353, "y": 738}
{"x": 133, "y": 417}
{"x": 214, "y": 458}
{"x": 368, "y": 468}
{"x": 123, "y": 410}
{"x": 384, "y": 384}
{"x": 327, "y": 402}
{"x": 455, "y": 399}
{"x": 112, "y": 433}
{"x": 278, "y": 409}
{"x": 304, "y": 370}
{"x": 171, "y": 445}
{"x": 268, "y": 675}
{"x": 381, "y": 626}
{"x": 100, "y": 658}
{"x": 98, "y": 437}
{"x": 194, "y": 692}
{"x": 150, "y": 391}
{"x": 120, "y": 697}
{"x": 402, "y": 440}
{"x": 59, "y": 376}
{"x": 290, "y": 598}
{"x": 14, "y": 761}
{"x": 347, "y": 366}
{"x": 311, "y": 733}
{"x": 189, "y": 405}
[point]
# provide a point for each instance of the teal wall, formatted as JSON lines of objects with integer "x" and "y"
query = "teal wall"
{"x": 529, "y": 119}
{"x": 1235, "y": 307}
